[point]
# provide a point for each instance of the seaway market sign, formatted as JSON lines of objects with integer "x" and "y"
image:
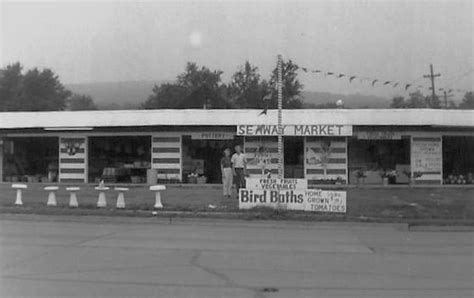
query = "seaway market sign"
{"x": 295, "y": 130}
{"x": 290, "y": 194}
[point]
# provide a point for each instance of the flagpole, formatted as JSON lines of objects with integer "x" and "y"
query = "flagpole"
{"x": 280, "y": 126}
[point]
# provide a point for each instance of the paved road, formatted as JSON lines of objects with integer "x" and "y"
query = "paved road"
{"x": 69, "y": 256}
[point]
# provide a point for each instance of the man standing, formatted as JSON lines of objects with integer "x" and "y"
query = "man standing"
{"x": 239, "y": 167}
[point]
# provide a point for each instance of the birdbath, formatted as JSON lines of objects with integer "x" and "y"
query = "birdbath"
{"x": 101, "y": 202}
{"x": 157, "y": 189}
{"x": 72, "y": 196}
{"x": 51, "y": 195}
{"x": 121, "y": 197}
{"x": 18, "y": 188}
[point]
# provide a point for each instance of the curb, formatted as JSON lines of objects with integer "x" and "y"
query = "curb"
{"x": 409, "y": 224}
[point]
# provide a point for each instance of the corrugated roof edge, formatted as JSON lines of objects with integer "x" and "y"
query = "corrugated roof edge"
{"x": 217, "y": 117}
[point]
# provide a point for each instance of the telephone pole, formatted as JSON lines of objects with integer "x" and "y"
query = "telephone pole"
{"x": 432, "y": 77}
{"x": 446, "y": 95}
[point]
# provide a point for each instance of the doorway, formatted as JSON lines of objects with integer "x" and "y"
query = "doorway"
{"x": 202, "y": 159}
{"x": 293, "y": 157}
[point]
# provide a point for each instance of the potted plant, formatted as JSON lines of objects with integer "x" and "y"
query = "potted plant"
{"x": 361, "y": 175}
{"x": 192, "y": 178}
{"x": 389, "y": 177}
{"x": 413, "y": 176}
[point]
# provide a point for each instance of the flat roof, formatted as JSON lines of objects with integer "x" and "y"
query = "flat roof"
{"x": 216, "y": 117}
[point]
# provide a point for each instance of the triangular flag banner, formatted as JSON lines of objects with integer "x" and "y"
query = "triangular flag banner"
{"x": 316, "y": 71}
{"x": 373, "y": 82}
{"x": 386, "y": 83}
{"x": 329, "y": 73}
{"x": 351, "y": 78}
{"x": 304, "y": 69}
{"x": 407, "y": 86}
{"x": 341, "y": 75}
{"x": 395, "y": 85}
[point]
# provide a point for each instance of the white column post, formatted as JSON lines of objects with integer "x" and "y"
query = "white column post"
{"x": 280, "y": 126}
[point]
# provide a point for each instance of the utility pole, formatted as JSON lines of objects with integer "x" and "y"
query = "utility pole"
{"x": 432, "y": 77}
{"x": 280, "y": 125}
{"x": 446, "y": 99}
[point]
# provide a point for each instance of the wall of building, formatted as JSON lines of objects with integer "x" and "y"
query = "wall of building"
{"x": 166, "y": 155}
{"x": 326, "y": 159}
{"x": 73, "y": 159}
{"x": 262, "y": 155}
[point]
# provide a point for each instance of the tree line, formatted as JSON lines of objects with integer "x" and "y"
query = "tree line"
{"x": 196, "y": 87}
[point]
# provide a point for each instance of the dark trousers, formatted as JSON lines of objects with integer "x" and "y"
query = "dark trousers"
{"x": 239, "y": 178}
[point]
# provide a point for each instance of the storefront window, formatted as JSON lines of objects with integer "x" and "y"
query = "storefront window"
{"x": 370, "y": 161}
{"x": 119, "y": 159}
{"x": 30, "y": 159}
{"x": 458, "y": 160}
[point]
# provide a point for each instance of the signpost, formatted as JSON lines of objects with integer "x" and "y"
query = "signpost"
{"x": 280, "y": 124}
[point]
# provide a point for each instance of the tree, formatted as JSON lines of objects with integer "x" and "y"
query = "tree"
{"x": 194, "y": 88}
{"x": 291, "y": 86}
{"x": 166, "y": 96}
{"x": 80, "y": 102}
{"x": 247, "y": 89}
{"x": 11, "y": 81}
{"x": 398, "y": 102}
{"x": 467, "y": 101}
{"x": 416, "y": 100}
{"x": 34, "y": 91}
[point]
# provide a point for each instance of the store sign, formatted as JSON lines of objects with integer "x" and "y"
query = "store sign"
{"x": 427, "y": 155}
{"x": 378, "y": 135}
{"x": 295, "y": 130}
{"x": 212, "y": 135}
{"x": 290, "y": 194}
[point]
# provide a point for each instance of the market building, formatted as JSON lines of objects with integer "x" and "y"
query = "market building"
{"x": 341, "y": 146}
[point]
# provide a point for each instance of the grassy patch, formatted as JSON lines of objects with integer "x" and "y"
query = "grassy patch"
{"x": 368, "y": 204}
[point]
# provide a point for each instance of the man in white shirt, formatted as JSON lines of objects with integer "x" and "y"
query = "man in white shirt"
{"x": 239, "y": 167}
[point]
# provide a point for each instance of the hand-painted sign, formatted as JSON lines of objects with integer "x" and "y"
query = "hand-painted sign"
{"x": 212, "y": 135}
{"x": 290, "y": 194}
{"x": 427, "y": 155}
{"x": 295, "y": 130}
{"x": 276, "y": 184}
{"x": 378, "y": 135}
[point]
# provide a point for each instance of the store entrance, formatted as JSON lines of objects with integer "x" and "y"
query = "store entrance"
{"x": 119, "y": 159}
{"x": 201, "y": 159}
{"x": 293, "y": 157}
{"x": 30, "y": 159}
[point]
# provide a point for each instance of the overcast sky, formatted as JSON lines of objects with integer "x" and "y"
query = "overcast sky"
{"x": 125, "y": 41}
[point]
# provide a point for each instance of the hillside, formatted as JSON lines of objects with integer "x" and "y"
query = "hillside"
{"x": 131, "y": 94}
{"x": 362, "y": 101}
{"x": 116, "y": 95}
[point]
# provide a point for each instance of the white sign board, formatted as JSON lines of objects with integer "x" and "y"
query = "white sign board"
{"x": 295, "y": 130}
{"x": 427, "y": 155}
{"x": 276, "y": 184}
{"x": 290, "y": 194}
{"x": 212, "y": 135}
{"x": 378, "y": 135}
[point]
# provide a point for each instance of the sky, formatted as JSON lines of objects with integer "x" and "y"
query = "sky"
{"x": 105, "y": 41}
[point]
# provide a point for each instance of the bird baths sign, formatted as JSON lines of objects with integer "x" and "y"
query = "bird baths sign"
{"x": 290, "y": 194}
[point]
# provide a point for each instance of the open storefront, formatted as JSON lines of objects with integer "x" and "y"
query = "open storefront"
{"x": 29, "y": 159}
{"x": 202, "y": 153}
{"x": 458, "y": 159}
{"x": 371, "y": 160}
{"x": 119, "y": 159}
